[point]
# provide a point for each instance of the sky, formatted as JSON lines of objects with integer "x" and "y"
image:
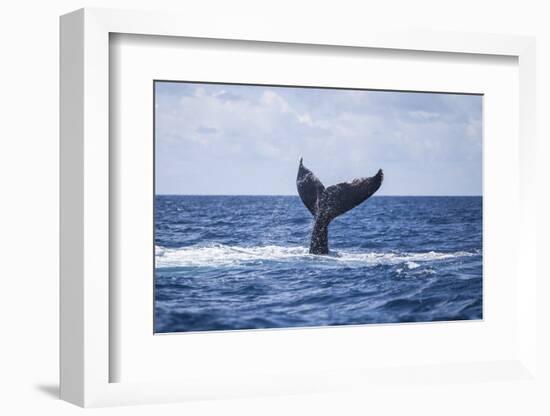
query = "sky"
{"x": 220, "y": 139}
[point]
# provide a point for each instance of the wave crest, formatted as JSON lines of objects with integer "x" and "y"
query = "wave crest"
{"x": 224, "y": 255}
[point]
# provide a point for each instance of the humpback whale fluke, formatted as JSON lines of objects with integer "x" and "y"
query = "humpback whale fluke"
{"x": 325, "y": 204}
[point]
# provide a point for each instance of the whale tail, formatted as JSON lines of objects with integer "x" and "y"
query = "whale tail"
{"x": 325, "y": 204}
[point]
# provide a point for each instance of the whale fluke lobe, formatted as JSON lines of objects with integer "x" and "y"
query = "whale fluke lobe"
{"x": 325, "y": 204}
{"x": 309, "y": 188}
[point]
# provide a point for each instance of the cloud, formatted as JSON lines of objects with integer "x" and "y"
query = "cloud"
{"x": 247, "y": 139}
{"x": 206, "y": 130}
{"x": 228, "y": 96}
{"x": 423, "y": 115}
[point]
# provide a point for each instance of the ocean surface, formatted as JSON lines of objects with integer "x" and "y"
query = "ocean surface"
{"x": 242, "y": 262}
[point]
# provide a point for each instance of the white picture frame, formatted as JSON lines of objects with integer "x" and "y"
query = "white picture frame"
{"x": 86, "y": 355}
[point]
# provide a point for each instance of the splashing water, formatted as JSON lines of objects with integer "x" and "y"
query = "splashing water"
{"x": 221, "y": 255}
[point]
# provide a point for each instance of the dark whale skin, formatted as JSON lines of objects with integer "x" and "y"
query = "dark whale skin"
{"x": 325, "y": 204}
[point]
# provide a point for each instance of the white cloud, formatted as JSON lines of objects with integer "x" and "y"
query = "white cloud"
{"x": 255, "y": 135}
{"x": 423, "y": 115}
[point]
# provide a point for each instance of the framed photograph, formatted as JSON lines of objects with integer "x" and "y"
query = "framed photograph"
{"x": 242, "y": 224}
{"x": 262, "y": 213}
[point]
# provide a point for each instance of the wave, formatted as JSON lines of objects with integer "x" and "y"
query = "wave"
{"x": 224, "y": 255}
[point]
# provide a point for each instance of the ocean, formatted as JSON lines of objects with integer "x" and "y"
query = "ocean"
{"x": 242, "y": 262}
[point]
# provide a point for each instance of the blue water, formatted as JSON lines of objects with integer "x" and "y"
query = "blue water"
{"x": 241, "y": 262}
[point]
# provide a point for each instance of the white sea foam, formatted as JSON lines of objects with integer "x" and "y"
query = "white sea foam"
{"x": 223, "y": 255}
{"x": 412, "y": 265}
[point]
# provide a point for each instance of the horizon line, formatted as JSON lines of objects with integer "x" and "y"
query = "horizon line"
{"x": 296, "y": 195}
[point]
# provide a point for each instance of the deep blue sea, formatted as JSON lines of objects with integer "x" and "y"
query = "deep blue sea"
{"x": 242, "y": 262}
